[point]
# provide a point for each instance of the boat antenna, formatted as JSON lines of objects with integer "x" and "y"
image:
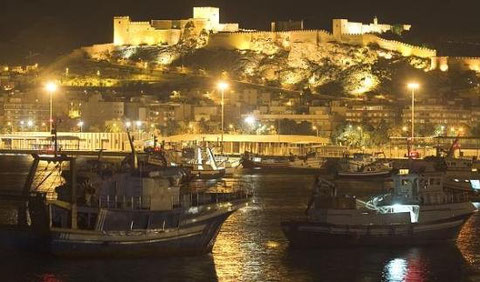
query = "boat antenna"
{"x": 453, "y": 147}
{"x": 134, "y": 154}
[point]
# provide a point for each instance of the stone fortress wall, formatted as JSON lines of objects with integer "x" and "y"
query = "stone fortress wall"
{"x": 463, "y": 63}
{"x": 228, "y": 36}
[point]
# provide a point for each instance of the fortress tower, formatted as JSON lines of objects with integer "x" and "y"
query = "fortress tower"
{"x": 121, "y": 30}
{"x": 210, "y": 14}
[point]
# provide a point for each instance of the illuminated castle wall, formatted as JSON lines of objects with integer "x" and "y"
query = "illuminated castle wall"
{"x": 167, "y": 32}
{"x": 462, "y": 63}
{"x": 343, "y": 26}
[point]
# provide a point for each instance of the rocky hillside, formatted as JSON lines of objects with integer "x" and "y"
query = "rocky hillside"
{"x": 329, "y": 68}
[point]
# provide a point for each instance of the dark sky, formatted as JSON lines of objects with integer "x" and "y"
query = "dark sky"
{"x": 51, "y": 27}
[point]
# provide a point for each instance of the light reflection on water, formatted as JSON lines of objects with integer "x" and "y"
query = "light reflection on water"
{"x": 251, "y": 247}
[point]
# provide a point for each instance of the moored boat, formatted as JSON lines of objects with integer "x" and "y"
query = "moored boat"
{"x": 364, "y": 166}
{"x": 128, "y": 209}
{"x": 417, "y": 211}
{"x": 249, "y": 161}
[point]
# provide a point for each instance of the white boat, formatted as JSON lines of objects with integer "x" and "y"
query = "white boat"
{"x": 204, "y": 165}
{"x": 418, "y": 211}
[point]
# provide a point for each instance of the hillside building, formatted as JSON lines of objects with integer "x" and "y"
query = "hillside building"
{"x": 168, "y": 32}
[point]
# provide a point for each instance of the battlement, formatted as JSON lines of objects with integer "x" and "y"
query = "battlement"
{"x": 392, "y": 45}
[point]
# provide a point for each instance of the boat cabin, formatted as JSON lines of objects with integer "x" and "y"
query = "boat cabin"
{"x": 418, "y": 188}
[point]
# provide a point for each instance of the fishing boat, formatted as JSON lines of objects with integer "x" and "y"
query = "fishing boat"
{"x": 134, "y": 208}
{"x": 250, "y": 161}
{"x": 417, "y": 211}
{"x": 310, "y": 161}
{"x": 364, "y": 166}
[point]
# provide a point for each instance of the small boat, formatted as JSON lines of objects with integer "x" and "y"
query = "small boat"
{"x": 364, "y": 165}
{"x": 250, "y": 161}
{"x": 310, "y": 161}
{"x": 204, "y": 165}
{"x": 135, "y": 208}
{"x": 417, "y": 211}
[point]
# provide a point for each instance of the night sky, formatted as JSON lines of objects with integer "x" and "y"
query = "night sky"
{"x": 52, "y": 27}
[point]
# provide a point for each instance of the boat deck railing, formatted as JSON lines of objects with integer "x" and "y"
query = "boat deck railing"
{"x": 122, "y": 202}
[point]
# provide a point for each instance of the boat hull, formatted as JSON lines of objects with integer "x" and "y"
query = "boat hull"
{"x": 363, "y": 174}
{"x": 208, "y": 174}
{"x": 309, "y": 234}
{"x": 195, "y": 237}
{"x": 249, "y": 164}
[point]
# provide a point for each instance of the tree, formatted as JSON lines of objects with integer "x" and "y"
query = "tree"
{"x": 379, "y": 135}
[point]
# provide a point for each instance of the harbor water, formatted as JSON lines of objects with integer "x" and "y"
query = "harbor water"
{"x": 252, "y": 247}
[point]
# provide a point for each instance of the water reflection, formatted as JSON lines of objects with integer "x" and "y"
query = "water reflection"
{"x": 27, "y": 267}
{"x": 396, "y": 269}
{"x": 252, "y": 247}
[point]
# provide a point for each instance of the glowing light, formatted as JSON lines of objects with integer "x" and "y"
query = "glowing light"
{"x": 272, "y": 244}
{"x": 30, "y": 123}
{"x": 80, "y": 123}
{"x": 250, "y": 120}
{"x": 230, "y": 126}
{"x": 127, "y": 124}
{"x": 222, "y": 85}
{"x": 413, "y": 86}
{"x": 138, "y": 123}
{"x": 404, "y": 128}
{"x": 51, "y": 87}
{"x": 444, "y": 67}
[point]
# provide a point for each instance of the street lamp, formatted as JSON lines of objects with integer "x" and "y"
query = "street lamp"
{"x": 222, "y": 86}
{"x": 51, "y": 87}
{"x": 80, "y": 124}
{"x": 413, "y": 86}
{"x": 127, "y": 125}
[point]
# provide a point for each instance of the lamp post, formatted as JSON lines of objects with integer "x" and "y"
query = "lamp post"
{"x": 222, "y": 86}
{"x": 138, "y": 124}
{"x": 51, "y": 88}
{"x": 80, "y": 125}
{"x": 413, "y": 86}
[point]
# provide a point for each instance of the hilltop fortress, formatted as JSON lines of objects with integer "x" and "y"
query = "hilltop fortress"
{"x": 230, "y": 36}
{"x": 168, "y": 32}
